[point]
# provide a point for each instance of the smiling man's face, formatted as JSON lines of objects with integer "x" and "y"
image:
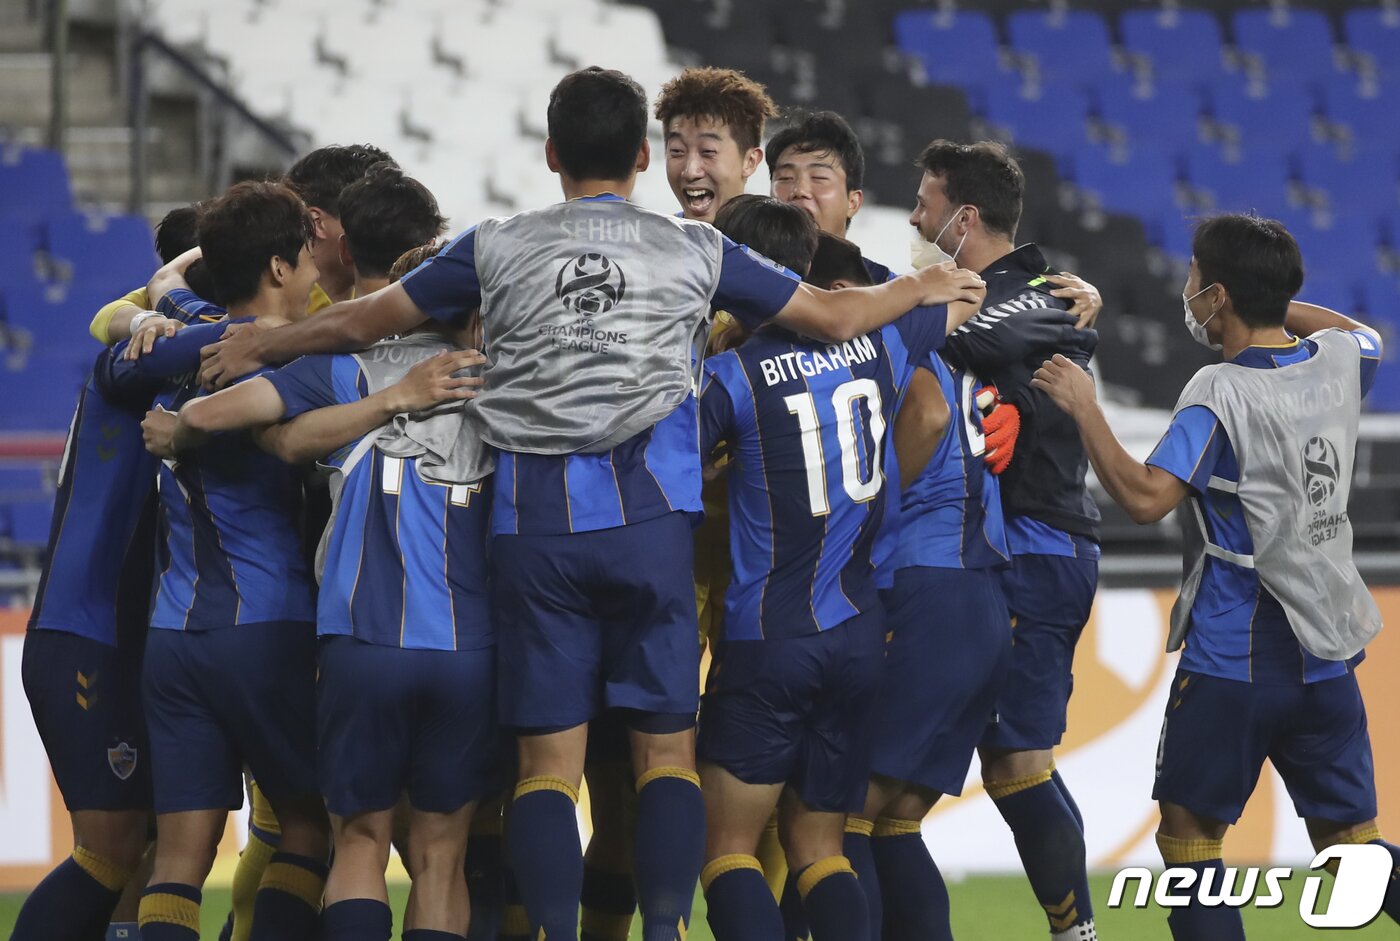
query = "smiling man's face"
{"x": 705, "y": 165}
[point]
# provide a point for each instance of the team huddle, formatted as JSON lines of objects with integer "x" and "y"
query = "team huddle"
{"x": 407, "y": 540}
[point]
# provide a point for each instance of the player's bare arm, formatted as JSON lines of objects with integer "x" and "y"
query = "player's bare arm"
{"x": 1146, "y": 493}
{"x": 322, "y": 431}
{"x": 838, "y": 316}
{"x": 919, "y": 425}
{"x": 171, "y": 277}
{"x": 1306, "y": 319}
{"x": 341, "y": 328}
{"x": 255, "y": 402}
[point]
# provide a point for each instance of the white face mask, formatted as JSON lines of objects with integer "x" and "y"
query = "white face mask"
{"x": 926, "y": 254}
{"x": 1196, "y": 328}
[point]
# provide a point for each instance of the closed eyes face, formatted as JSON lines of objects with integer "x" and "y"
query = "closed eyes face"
{"x": 705, "y": 166}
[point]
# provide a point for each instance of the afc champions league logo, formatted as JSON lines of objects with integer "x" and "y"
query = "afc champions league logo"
{"x": 1321, "y": 468}
{"x": 590, "y": 285}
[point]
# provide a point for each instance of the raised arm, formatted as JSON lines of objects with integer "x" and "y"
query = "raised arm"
{"x": 1145, "y": 492}
{"x": 837, "y": 316}
{"x": 171, "y": 276}
{"x": 1306, "y": 319}
{"x": 341, "y": 328}
{"x": 919, "y": 425}
{"x": 112, "y": 322}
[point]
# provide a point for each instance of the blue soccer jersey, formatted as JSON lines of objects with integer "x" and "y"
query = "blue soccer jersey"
{"x": 649, "y": 475}
{"x": 950, "y": 516}
{"x": 806, "y": 427}
{"x": 96, "y": 583}
{"x": 1238, "y": 630}
{"x": 233, "y": 551}
{"x": 405, "y": 564}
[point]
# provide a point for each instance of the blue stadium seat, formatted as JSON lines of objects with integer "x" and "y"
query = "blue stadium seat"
{"x": 1054, "y": 121}
{"x": 19, "y": 247}
{"x": 1364, "y": 114}
{"x": 1381, "y": 294}
{"x": 1374, "y": 33}
{"x": 33, "y": 185}
{"x": 114, "y": 254}
{"x": 1366, "y": 184}
{"x": 1172, "y": 233}
{"x": 1181, "y": 45}
{"x": 1258, "y": 183}
{"x": 1164, "y": 115}
{"x": 1143, "y": 183}
{"x": 1280, "y": 119}
{"x": 1070, "y": 47}
{"x": 49, "y": 395}
{"x": 1340, "y": 293}
{"x": 56, "y": 316}
{"x": 954, "y": 48}
{"x": 1344, "y": 251}
{"x": 27, "y": 499}
{"x": 1294, "y": 45}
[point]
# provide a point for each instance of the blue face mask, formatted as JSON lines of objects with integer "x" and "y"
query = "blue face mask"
{"x": 1197, "y": 328}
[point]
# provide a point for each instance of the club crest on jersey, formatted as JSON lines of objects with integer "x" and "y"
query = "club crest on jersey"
{"x": 1321, "y": 468}
{"x": 122, "y": 760}
{"x": 590, "y": 284}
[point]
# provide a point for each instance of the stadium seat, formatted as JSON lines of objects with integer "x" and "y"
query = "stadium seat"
{"x": 1166, "y": 116}
{"x": 1061, "y": 47}
{"x": 1362, "y": 115}
{"x": 1373, "y": 33}
{"x": 112, "y": 254}
{"x": 1178, "y": 45}
{"x": 1292, "y": 46}
{"x": 1381, "y": 296}
{"x": 49, "y": 396}
{"x": 56, "y": 317}
{"x": 19, "y": 251}
{"x": 33, "y": 184}
{"x": 1053, "y": 120}
{"x": 954, "y": 48}
{"x": 1142, "y": 182}
{"x": 1367, "y": 182}
{"x": 1278, "y": 118}
{"x": 1258, "y": 183}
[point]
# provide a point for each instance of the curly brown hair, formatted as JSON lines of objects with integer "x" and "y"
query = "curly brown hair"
{"x": 414, "y": 257}
{"x": 724, "y": 95}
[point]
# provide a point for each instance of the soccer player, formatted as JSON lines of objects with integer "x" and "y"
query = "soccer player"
{"x": 403, "y": 612}
{"x": 1272, "y": 605}
{"x": 589, "y": 308}
{"x": 968, "y": 207}
{"x": 792, "y": 687}
{"x": 318, "y": 178}
{"x": 230, "y": 660}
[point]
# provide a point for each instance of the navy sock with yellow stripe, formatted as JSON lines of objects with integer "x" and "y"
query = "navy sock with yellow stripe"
{"x": 546, "y": 856}
{"x": 834, "y": 901}
{"x": 669, "y": 850}
{"x": 288, "y": 906}
{"x": 1194, "y": 921}
{"x": 75, "y": 900}
{"x": 912, "y": 890}
{"x": 357, "y": 920}
{"x": 794, "y": 917}
{"x": 856, "y": 846}
{"x": 609, "y": 901}
{"x": 739, "y": 903}
{"x": 1050, "y": 842}
{"x": 170, "y": 912}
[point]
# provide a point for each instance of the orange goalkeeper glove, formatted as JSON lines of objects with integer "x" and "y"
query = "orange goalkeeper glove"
{"x": 1001, "y": 424}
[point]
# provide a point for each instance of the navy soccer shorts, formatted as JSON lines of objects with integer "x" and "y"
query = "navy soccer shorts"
{"x": 1218, "y": 732}
{"x": 222, "y": 699}
{"x": 798, "y": 711}
{"x": 1050, "y": 597}
{"x": 598, "y": 620}
{"x": 391, "y": 720}
{"x": 86, "y": 700}
{"x": 945, "y": 665}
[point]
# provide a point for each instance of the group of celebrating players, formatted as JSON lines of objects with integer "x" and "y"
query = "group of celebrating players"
{"x": 514, "y": 584}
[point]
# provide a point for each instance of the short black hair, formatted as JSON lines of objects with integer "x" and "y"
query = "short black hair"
{"x": 385, "y": 213}
{"x": 984, "y": 175}
{"x": 319, "y": 177}
{"x": 598, "y": 121}
{"x": 779, "y": 230}
{"x": 837, "y": 259}
{"x": 201, "y": 282}
{"x": 1256, "y": 259}
{"x": 819, "y": 131}
{"x": 244, "y": 229}
{"x": 178, "y": 232}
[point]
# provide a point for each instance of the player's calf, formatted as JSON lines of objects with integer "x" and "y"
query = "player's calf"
{"x": 438, "y": 901}
{"x": 670, "y": 837}
{"x": 288, "y": 903}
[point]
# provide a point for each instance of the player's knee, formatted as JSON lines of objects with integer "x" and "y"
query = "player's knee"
{"x": 119, "y": 836}
{"x": 440, "y": 858}
{"x": 663, "y": 750}
{"x": 1001, "y": 765}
